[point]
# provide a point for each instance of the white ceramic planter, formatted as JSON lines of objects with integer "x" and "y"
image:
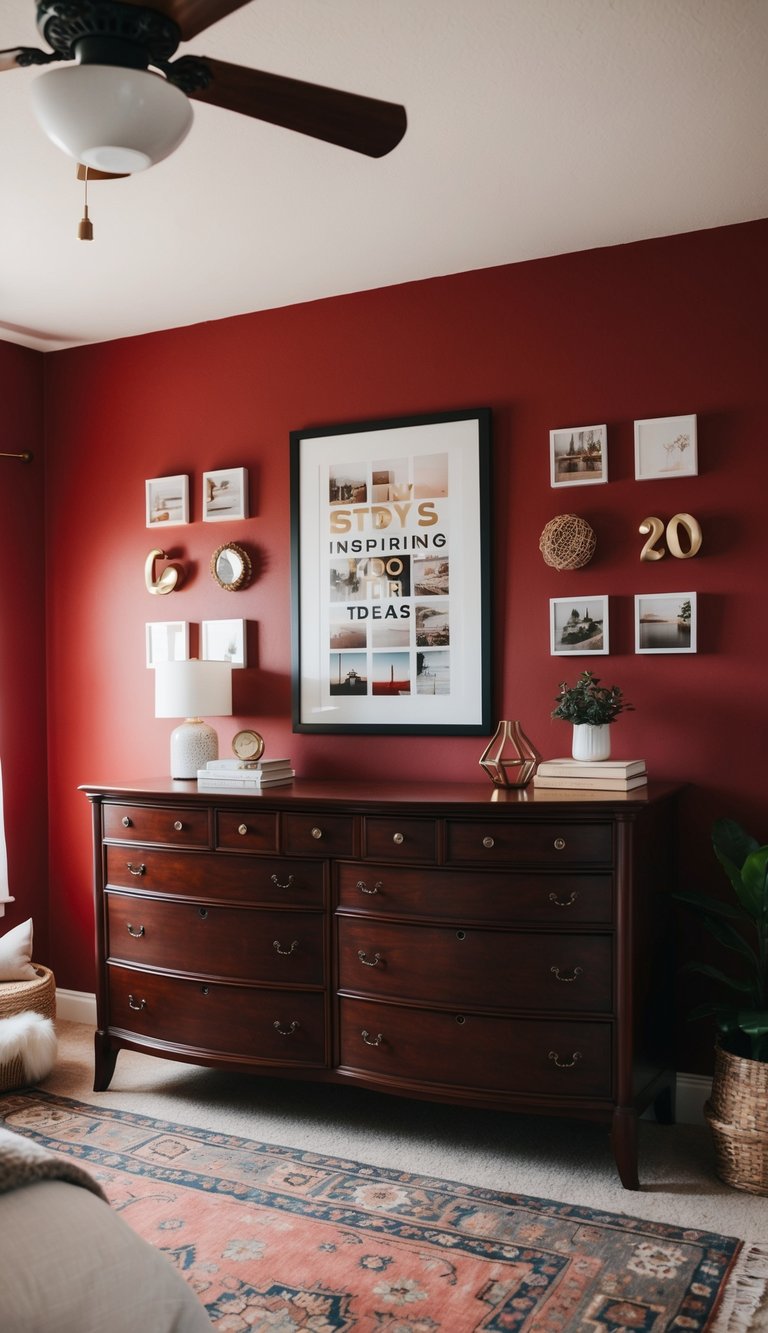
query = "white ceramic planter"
{"x": 590, "y": 742}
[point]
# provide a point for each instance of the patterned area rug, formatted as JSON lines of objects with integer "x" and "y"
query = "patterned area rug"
{"x": 276, "y": 1240}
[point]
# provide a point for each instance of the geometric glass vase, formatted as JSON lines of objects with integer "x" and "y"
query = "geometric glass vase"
{"x": 510, "y": 760}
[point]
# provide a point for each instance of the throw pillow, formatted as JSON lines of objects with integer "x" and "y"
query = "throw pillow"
{"x": 16, "y": 954}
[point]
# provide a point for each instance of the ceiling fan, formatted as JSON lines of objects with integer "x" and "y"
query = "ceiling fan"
{"x": 115, "y": 116}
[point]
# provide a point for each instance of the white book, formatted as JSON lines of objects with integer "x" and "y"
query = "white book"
{"x": 609, "y": 768}
{"x": 244, "y": 777}
{"x": 257, "y": 765}
{"x": 592, "y": 784}
{"x": 237, "y": 788}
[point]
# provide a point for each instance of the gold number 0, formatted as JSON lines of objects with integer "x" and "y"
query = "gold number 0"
{"x": 655, "y": 528}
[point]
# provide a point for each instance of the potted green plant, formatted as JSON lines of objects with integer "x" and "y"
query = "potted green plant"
{"x": 590, "y": 707}
{"x": 737, "y": 1112}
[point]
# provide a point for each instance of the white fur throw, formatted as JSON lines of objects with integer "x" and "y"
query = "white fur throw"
{"x": 32, "y": 1037}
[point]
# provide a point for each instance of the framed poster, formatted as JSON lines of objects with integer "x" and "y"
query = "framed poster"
{"x": 390, "y": 560}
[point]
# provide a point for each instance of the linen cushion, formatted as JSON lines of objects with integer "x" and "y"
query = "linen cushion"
{"x": 16, "y": 954}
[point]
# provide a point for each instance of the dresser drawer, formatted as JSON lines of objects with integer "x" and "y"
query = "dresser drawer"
{"x": 476, "y": 1052}
{"x": 475, "y": 895}
{"x": 475, "y": 968}
{"x": 285, "y": 948}
{"x": 527, "y": 844}
{"x": 400, "y": 839}
{"x": 212, "y": 876}
{"x": 240, "y": 1022}
{"x": 318, "y": 835}
{"x": 182, "y": 827}
{"x": 246, "y": 830}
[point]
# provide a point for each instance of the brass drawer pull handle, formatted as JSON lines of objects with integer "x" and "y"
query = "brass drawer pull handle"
{"x": 559, "y": 844}
{"x": 202, "y": 912}
{"x": 567, "y": 902}
{"x": 316, "y": 832}
{"x": 286, "y": 1032}
{"x": 178, "y": 826}
{"x": 363, "y": 887}
{"x": 489, "y": 842}
{"x": 126, "y": 822}
{"x": 369, "y": 962}
{"x": 136, "y": 870}
{"x": 398, "y": 838}
{"x": 142, "y": 1004}
{"x": 575, "y": 972}
{"x": 285, "y": 952}
{"x": 137, "y": 934}
{"x": 564, "y": 1064}
{"x": 372, "y": 1041}
{"x": 278, "y": 883}
{"x": 242, "y": 830}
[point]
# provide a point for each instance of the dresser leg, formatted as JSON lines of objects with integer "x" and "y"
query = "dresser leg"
{"x": 624, "y": 1143}
{"x": 105, "y": 1059}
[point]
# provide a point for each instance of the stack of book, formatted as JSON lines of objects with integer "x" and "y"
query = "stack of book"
{"x": 599, "y": 775}
{"x": 231, "y": 775}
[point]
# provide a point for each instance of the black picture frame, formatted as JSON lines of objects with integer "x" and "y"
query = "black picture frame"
{"x": 391, "y": 575}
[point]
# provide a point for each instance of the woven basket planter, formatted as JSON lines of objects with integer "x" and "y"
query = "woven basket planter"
{"x": 737, "y": 1115}
{"x": 19, "y": 997}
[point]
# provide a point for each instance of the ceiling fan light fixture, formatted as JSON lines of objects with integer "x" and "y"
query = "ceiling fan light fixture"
{"x": 111, "y": 118}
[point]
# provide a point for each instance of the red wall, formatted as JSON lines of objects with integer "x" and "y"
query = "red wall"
{"x": 658, "y": 328}
{"x": 22, "y": 641}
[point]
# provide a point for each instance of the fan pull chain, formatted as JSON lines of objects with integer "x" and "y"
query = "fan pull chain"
{"x": 85, "y": 229}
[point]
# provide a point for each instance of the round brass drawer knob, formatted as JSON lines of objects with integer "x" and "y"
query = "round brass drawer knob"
{"x": 488, "y": 842}
{"x": 177, "y": 824}
{"x": 317, "y": 833}
{"x": 559, "y": 844}
{"x": 127, "y": 822}
{"x": 242, "y": 829}
{"x": 398, "y": 838}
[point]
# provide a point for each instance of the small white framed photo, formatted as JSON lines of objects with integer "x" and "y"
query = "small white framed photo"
{"x": 223, "y": 641}
{"x": 665, "y": 622}
{"x": 665, "y": 447}
{"x": 578, "y": 455}
{"x": 578, "y": 626}
{"x": 225, "y": 495}
{"x": 167, "y": 641}
{"x": 167, "y": 500}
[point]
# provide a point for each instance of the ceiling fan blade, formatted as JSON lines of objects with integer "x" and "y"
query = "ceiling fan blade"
{"x": 363, "y": 124}
{"x": 191, "y": 16}
{"x": 9, "y": 59}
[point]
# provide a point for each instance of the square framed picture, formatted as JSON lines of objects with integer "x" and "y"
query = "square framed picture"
{"x": 665, "y": 447}
{"x": 665, "y": 622}
{"x": 578, "y": 626}
{"x": 223, "y": 641}
{"x": 167, "y": 641}
{"x": 225, "y": 495}
{"x": 578, "y": 455}
{"x": 167, "y": 500}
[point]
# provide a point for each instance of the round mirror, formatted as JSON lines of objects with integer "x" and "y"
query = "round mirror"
{"x": 231, "y": 566}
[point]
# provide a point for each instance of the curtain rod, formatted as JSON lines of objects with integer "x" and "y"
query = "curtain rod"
{"x": 26, "y": 457}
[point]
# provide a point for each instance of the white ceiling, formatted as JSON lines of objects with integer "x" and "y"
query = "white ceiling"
{"x": 536, "y": 127}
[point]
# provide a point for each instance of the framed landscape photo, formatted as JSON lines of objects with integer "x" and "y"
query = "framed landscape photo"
{"x": 665, "y": 622}
{"x": 578, "y": 626}
{"x": 167, "y": 641}
{"x": 665, "y": 447}
{"x": 225, "y": 495}
{"x": 167, "y": 501}
{"x": 223, "y": 641}
{"x": 578, "y": 455}
{"x": 390, "y": 563}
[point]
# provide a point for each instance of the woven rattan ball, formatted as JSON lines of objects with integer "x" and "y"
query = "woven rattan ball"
{"x": 567, "y": 542}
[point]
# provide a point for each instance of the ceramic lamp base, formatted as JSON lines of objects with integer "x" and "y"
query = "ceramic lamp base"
{"x": 193, "y": 743}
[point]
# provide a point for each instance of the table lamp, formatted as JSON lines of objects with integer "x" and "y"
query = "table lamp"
{"x": 193, "y": 689}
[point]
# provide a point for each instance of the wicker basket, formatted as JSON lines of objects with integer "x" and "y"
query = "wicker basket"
{"x": 19, "y": 997}
{"x": 737, "y": 1115}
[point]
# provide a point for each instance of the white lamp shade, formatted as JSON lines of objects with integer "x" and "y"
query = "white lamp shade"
{"x": 193, "y": 689}
{"x": 110, "y": 118}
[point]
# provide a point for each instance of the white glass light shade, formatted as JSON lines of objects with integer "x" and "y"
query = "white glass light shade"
{"x": 193, "y": 689}
{"x": 110, "y": 118}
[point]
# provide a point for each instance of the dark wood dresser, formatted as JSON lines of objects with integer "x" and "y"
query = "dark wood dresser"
{"x": 453, "y": 942}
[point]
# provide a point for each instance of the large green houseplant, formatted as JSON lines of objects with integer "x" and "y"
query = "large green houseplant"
{"x": 737, "y": 1112}
{"x": 591, "y": 707}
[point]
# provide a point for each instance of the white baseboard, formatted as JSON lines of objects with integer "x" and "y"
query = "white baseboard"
{"x": 692, "y": 1089}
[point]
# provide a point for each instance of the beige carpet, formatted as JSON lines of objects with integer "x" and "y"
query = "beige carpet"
{"x": 549, "y": 1158}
